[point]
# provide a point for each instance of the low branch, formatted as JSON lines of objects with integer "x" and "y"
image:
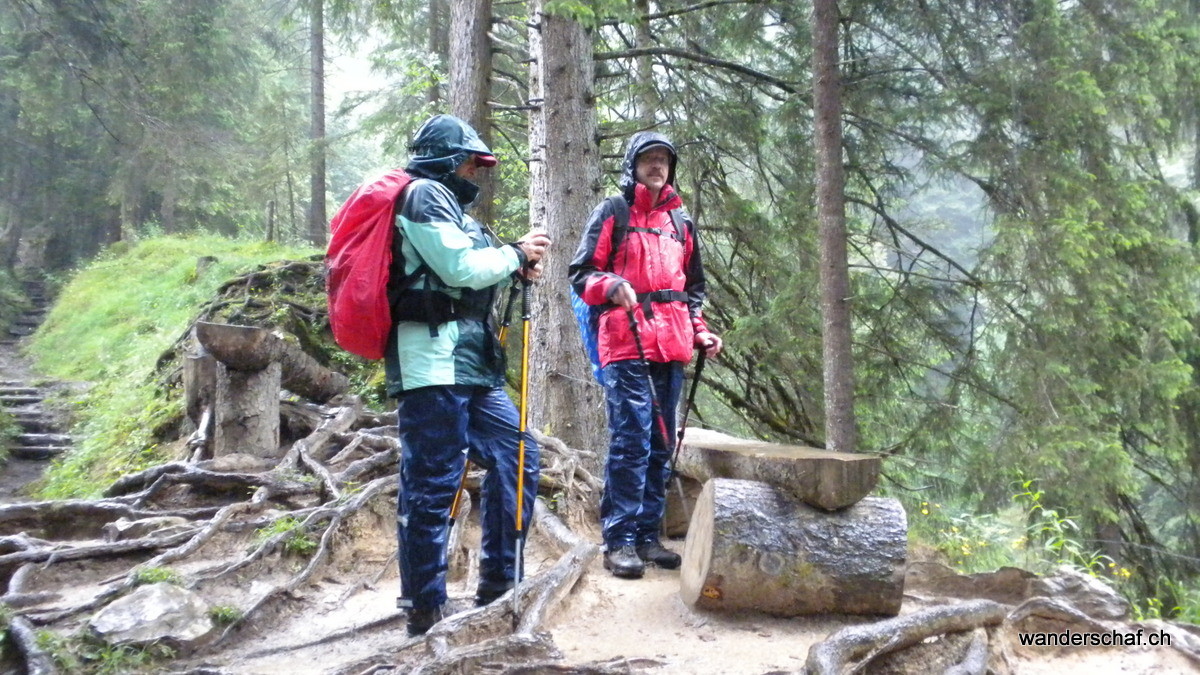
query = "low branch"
{"x": 699, "y": 58}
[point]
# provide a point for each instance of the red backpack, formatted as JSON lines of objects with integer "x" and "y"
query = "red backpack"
{"x": 358, "y": 263}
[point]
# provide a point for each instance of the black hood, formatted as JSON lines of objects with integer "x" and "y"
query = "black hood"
{"x": 639, "y": 143}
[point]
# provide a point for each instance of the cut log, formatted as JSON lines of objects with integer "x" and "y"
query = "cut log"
{"x": 250, "y": 349}
{"x": 827, "y": 480}
{"x": 752, "y": 546}
{"x": 247, "y": 412}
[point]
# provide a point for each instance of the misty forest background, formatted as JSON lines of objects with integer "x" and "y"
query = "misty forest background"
{"x": 1021, "y": 204}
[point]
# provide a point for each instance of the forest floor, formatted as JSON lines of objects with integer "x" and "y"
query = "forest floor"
{"x": 342, "y": 618}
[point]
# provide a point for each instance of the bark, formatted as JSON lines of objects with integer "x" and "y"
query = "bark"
{"x": 851, "y": 649}
{"x": 317, "y": 221}
{"x": 564, "y": 186}
{"x": 246, "y": 412}
{"x": 249, "y": 348}
{"x": 647, "y": 103}
{"x": 470, "y": 80}
{"x": 752, "y": 547}
{"x": 199, "y": 381}
{"x": 828, "y": 480}
{"x": 840, "y": 432}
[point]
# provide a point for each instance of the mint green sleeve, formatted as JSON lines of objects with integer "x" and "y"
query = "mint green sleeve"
{"x": 430, "y": 223}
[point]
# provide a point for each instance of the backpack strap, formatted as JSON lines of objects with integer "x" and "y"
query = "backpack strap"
{"x": 620, "y": 209}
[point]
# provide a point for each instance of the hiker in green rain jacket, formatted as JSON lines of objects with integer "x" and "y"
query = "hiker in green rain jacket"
{"x": 446, "y": 368}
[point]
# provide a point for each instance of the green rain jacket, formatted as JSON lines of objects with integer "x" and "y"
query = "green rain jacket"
{"x": 465, "y": 266}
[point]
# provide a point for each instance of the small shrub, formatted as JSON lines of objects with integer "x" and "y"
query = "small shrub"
{"x": 224, "y": 615}
{"x": 296, "y": 540}
{"x": 157, "y": 575}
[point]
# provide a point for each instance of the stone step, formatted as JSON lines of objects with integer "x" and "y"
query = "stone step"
{"x": 21, "y": 331}
{"x": 42, "y": 452}
{"x": 16, "y": 400}
{"x": 6, "y": 390}
{"x": 37, "y": 424}
{"x": 8, "y": 343}
{"x": 31, "y": 440}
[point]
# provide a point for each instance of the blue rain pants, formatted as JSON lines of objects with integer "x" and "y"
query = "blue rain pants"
{"x": 638, "y": 466}
{"x": 440, "y": 427}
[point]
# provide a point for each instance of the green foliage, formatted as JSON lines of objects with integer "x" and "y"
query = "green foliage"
{"x": 290, "y": 531}
{"x": 224, "y": 615}
{"x": 85, "y": 654}
{"x": 157, "y": 575}
{"x": 108, "y": 328}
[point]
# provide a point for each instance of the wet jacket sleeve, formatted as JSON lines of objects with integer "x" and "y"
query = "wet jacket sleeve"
{"x": 591, "y": 281}
{"x": 694, "y": 284}
{"x": 431, "y": 222}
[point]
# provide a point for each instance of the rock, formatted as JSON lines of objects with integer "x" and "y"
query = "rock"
{"x": 1008, "y": 585}
{"x": 1083, "y": 592}
{"x": 152, "y": 613}
{"x": 161, "y": 526}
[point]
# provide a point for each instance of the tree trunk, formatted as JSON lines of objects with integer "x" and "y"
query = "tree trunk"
{"x": 647, "y": 97}
{"x": 840, "y": 432}
{"x": 751, "y": 546}
{"x": 247, "y": 411}
{"x": 317, "y": 221}
{"x": 564, "y": 186}
{"x": 470, "y": 80}
{"x": 437, "y": 45}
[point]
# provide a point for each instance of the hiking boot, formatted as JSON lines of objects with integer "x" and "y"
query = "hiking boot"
{"x": 421, "y": 620}
{"x": 655, "y": 553}
{"x": 624, "y": 562}
{"x": 486, "y": 594}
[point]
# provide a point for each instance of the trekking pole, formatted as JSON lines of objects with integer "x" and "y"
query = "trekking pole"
{"x": 687, "y": 411}
{"x": 658, "y": 415}
{"x": 462, "y": 486}
{"x": 508, "y": 310}
{"x": 519, "y": 544}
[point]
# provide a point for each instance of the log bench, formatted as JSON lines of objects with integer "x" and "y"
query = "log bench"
{"x": 238, "y": 371}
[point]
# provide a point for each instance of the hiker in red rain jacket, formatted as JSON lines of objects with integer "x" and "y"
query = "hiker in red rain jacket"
{"x": 649, "y": 270}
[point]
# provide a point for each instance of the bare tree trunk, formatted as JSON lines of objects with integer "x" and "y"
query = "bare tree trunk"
{"x": 564, "y": 186}
{"x": 840, "y": 432}
{"x": 436, "y": 19}
{"x": 316, "y": 209}
{"x": 470, "y": 80}
{"x": 647, "y": 99}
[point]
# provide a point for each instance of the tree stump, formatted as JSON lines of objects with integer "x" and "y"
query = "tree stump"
{"x": 247, "y": 411}
{"x": 752, "y": 546}
{"x": 828, "y": 480}
{"x": 199, "y": 380}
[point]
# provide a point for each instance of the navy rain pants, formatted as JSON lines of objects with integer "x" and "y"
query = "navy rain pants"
{"x": 440, "y": 426}
{"x": 638, "y": 466}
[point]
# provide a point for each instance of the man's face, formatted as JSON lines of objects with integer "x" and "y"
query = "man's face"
{"x": 653, "y": 167}
{"x": 468, "y": 168}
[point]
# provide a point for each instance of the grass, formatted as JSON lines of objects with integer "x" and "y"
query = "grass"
{"x": 85, "y": 654}
{"x": 157, "y": 575}
{"x": 296, "y": 541}
{"x": 112, "y": 321}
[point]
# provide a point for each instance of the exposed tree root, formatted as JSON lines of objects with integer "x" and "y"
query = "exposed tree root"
{"x": 37, "y": 661}
{"x": 851, "y": 649}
